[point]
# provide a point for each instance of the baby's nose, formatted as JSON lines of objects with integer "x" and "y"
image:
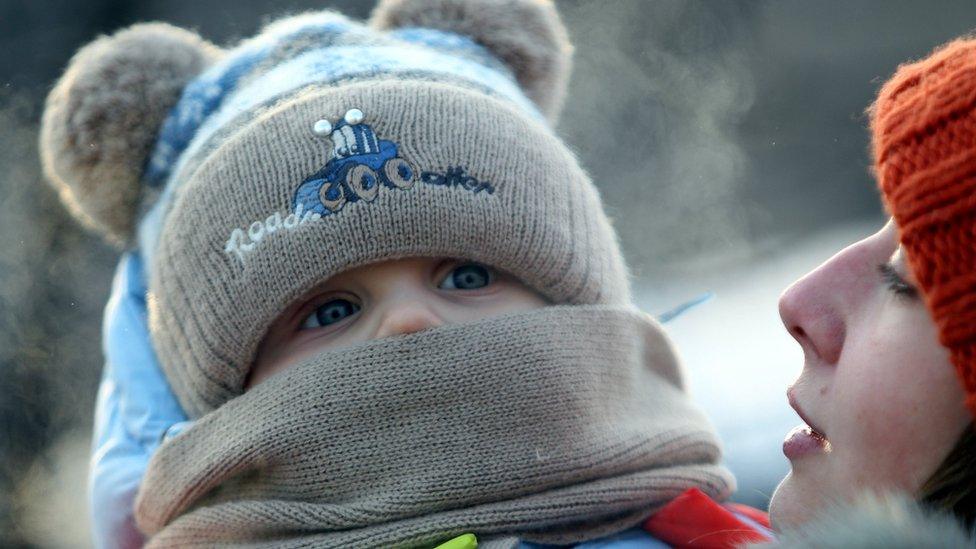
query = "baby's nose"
{"x": 407, "y": 317}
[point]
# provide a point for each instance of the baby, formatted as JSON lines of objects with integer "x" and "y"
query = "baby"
{"x": 379, "y": 285}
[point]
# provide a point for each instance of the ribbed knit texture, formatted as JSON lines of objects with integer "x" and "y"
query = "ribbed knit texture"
{"x": 924, "y": 140}
{"x": 543, "y": 222}
{"x": 557, "y": 425}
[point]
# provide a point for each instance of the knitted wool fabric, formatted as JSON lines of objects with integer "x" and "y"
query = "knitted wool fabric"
{"x": 557, "y": 425}
{"x": 924, "y": 144}
{"x": 320, "y": 145}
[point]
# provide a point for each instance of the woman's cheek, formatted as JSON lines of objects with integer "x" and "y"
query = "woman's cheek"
{"x": 885, "y": 439}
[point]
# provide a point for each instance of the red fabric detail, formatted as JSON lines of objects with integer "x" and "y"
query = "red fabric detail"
{"x": 694, "y": 520}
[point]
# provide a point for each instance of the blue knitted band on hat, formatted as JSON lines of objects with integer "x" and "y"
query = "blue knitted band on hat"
{"x": 334, "y": 64}
{"x": 214, "y": 98}
{"x": 205, "y": 94}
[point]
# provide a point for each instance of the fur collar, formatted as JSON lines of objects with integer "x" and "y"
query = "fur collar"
{"x": 877, "y": 521}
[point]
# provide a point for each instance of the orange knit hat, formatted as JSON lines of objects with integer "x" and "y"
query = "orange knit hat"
{"x": 924, "y": 139}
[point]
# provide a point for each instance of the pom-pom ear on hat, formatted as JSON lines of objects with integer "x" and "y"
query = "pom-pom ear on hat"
{"x": 527, "y": 35}
{"x": 102, "y": 118}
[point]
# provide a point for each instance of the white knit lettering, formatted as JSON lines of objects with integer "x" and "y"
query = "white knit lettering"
{"x": 241, "y": 242}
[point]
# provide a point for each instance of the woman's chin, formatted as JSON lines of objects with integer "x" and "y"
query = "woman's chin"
{"x": 791, "y": 503}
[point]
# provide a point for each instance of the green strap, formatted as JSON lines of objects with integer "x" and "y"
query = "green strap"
{"x": 464, "y": 541}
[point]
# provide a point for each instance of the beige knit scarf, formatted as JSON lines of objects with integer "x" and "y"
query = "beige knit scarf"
{"x": 558, "y": 425}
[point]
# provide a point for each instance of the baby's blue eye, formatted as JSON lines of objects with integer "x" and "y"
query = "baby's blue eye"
{"x": 331, "y": 312}
{"x": 469, "y": 276}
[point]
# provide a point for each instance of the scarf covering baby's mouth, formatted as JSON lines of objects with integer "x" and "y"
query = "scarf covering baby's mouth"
{"x": 556, "y": 425}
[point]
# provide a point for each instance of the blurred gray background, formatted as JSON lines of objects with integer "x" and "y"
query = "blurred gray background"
{"x": 727, "y": 138}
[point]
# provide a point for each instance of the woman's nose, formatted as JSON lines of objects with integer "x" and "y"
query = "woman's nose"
{"x": 406, "y": 317}
{"x": 810, "y": 314}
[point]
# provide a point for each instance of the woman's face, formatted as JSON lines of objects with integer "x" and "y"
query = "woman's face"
{"x": 881, "y": 400}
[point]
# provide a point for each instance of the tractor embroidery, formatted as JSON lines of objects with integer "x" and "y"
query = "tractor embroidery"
{"x": 360, "y": 164}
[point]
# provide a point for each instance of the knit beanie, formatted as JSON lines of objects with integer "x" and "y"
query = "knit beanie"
{"x": 924, "y": 143}
{"x": 247, "y": 176}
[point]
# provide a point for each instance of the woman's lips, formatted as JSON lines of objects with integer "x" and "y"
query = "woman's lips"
{"x": 803, "y": 439}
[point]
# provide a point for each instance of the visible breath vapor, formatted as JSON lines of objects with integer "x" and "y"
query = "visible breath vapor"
{"x": 652, "y": 111}
{"x": 53, "y": 285}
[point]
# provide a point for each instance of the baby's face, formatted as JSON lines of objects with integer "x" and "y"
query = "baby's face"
{"x": 384, "y": 299}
